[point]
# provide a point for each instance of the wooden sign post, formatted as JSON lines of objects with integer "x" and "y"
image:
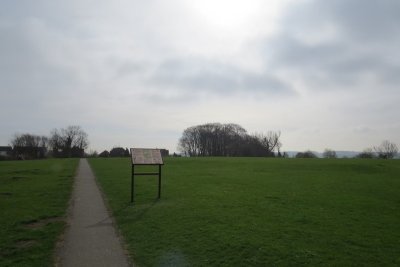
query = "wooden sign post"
{"x": 146, "y": 156}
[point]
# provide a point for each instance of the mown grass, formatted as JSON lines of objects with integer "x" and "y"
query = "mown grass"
{"x": 33, "y": 201}
{"x": 259, "y": 212}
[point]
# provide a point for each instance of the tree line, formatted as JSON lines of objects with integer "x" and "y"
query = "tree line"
{"x": 120, "y": 152}
{"x": 386, "y": 150}
{"x": 216, "y": 139}
{"x": 62, "y": 143}
{"x": 210, "y": 139}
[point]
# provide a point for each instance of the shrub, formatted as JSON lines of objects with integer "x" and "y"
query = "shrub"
{"x": 306, "y": 154}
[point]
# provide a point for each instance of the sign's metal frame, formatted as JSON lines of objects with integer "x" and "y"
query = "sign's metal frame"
{"x": 148, "y": 157}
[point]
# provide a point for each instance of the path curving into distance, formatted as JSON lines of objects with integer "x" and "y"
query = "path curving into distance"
{"x": 90, "y": 239}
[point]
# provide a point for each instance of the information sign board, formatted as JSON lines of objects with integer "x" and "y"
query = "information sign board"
{"x": 146, "y": 156}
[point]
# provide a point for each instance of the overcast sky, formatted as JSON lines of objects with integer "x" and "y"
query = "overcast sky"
{"x": 326, "y": 73}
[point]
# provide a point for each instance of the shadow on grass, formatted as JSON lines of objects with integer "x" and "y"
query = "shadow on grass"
{"x": 144, "y": 210}
{"x": 109, "y": 220}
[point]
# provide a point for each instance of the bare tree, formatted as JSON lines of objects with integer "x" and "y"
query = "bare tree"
{"x": 278, "y": 148}
{"x": 29, "y": 140}
{"x": 368, "y": 153}
{"x": 216, "y": 139}
{"x": 29, "y": 146}
{"x": 56, "y": 141}
{"x": 329, "y": 153}
{"x": 270, "y": 141}
{"x": 187, "y": 143}
{"x": 69, "y": 142}
{"x": 387, "y": 150}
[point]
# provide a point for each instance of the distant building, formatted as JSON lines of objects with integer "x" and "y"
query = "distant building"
{"x": 5, "y": 152}
{"x": 164, "y": 152}
{"x": 29, "y": 152}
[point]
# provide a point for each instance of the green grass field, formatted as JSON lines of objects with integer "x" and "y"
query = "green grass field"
{"x": 33, "y": 202}
{"x": 259, "y": 212}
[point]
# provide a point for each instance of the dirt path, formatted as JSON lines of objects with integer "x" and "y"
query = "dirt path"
{"x": 90, "y": 239}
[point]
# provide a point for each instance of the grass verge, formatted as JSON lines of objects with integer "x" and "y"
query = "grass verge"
{"x": 33, "y": 201}
{"x": 259, "y": 212}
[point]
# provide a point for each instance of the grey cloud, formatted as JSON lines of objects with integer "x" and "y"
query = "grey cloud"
{"x": 199, "y": 76}
{"x": 367, "y": 20}
{"x": 364, "y": 41}
{"x": 25, "y": 66}
{"x": 38, "y": 83}
{"x": 333, "y": 63}
{"x": 125, "y": 68}
{"x": 362, "y": 130}
{"x": 103, "y": 63}
{"x": 129, "y": 68}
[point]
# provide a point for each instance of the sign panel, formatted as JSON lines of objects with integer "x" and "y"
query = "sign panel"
{"x": 146, "y": 156}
